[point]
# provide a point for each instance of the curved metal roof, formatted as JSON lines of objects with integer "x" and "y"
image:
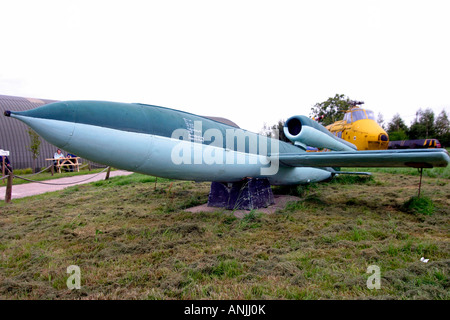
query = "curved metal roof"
{"x": 224, "y": 121}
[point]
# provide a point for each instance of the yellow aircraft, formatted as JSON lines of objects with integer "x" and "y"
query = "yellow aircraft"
{"x": 360, "y": 128}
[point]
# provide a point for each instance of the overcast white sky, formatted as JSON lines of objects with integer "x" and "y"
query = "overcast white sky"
{"x": 252, "y": 61}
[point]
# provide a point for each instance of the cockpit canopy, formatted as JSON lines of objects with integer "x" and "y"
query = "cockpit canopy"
{"x": 356, "y": 114}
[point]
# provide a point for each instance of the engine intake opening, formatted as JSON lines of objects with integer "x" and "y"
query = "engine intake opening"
{"x": 294, "y": 126}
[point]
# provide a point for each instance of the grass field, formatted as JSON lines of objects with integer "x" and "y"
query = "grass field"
{"x": 132, "y": 239}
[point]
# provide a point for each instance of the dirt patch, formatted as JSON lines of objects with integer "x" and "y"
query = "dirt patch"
{"x": 280, "y": 204}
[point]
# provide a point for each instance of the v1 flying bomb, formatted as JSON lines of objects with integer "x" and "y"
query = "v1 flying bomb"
{"x": 175, "y": 144}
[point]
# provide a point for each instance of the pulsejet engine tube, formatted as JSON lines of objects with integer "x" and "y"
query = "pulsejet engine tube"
{"x": 304, "y": 131}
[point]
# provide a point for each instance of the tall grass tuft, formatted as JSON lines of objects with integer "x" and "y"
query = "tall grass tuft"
{"x": 422, "y": 205}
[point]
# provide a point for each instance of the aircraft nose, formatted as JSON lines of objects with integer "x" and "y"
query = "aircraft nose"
{"x": 54, "y": 122}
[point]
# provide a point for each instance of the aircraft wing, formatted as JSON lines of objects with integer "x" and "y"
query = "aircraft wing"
{"x": 416, "y": 158}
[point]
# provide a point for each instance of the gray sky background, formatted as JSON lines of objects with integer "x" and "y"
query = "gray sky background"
{"x": 249, "y": 61}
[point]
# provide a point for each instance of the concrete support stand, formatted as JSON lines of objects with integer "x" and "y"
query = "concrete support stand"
{"x": 248, "y": 194}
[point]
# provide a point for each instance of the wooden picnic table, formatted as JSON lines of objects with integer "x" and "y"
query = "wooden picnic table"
{"x": 66, "y": 162}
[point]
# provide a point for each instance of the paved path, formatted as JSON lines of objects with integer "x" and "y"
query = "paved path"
{"x": 34, "y": 188}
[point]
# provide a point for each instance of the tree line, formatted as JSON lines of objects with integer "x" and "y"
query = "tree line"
{"x": 425, "y": 126}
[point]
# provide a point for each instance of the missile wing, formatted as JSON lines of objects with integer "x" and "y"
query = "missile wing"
{"x": 428, "y": 158}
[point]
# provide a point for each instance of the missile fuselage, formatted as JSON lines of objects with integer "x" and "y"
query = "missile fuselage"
{"x": 164, "y": 142}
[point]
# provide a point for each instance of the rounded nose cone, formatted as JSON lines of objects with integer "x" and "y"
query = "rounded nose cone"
{"x": 56, "y": 132}
{"x": 53, "y": 122}
{"x": 7, "y": 113}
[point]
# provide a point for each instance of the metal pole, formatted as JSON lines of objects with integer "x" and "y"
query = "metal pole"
{"x": 420, "y": 181}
